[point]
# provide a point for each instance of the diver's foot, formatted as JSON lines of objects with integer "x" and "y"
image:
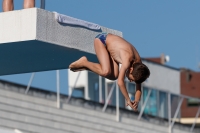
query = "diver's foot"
{"x": 78, "y": 65}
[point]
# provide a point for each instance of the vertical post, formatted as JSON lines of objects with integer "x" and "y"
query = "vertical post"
{"x": 158, "y": 104}
{"x": 141, "y": 101}
{"x": 29, "y": 84}
{"x": 100, "y": 89}
{"x": 144, "y": 105}
{"x": 42, "y": 4}
{"x": 106, "y": 90}
{"x": 197, "y": 115}
{"x": 117, "y": 102}
{"x": 169, "y": 112}
{"x": 58, "y": 88}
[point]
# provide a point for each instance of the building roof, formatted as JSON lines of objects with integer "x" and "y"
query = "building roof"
{"x": 163, "y": 65}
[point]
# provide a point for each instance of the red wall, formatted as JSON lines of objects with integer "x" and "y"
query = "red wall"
{"x": 190, "y": 86}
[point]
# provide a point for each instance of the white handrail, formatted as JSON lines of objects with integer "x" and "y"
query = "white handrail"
{"x": 194, "y": 123}
{"x": 100, "y": 89}
{"x": 177, "y": 111}
{"x": 171, "y": 123}
{"x": 169, "y": 112}
{"x": 117, "y": 102}
{"x": 30, "y": 82}
{"x": 58, "y": 88}
{"x": 144, "y": 105}
{"x": 70, "y": 95}
{"x": 166, "y": 91}
{"x": 108, "y": 98}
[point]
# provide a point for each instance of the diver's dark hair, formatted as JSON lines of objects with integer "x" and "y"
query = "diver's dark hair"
{"x": 140, "y": 72}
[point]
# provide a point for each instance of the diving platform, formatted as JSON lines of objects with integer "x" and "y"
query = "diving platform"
{"x": 32, "y": 40}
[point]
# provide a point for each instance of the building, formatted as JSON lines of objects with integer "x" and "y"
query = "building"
{"x": 189, "y": 86}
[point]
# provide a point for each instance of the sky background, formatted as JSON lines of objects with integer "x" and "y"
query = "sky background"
{"x": 171, "y": 27}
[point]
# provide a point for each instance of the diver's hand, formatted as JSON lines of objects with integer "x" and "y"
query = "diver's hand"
{"x": 135, "y": 104}
{"x": 132, "y": 104}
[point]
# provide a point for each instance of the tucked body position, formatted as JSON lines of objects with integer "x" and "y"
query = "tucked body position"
{"x": 112, "y": 50}
{"x": 8, "y": 5}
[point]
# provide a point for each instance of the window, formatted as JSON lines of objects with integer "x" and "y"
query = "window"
{"x": 151, "y": 107}
{"x": 93, "y": 87}
{"x": 192, "y": 102}
{"x": 163, "y": 105}
{"x": 175, "y": 99}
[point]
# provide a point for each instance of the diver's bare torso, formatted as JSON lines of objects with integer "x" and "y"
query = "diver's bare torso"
{"x": 119, "y": 48}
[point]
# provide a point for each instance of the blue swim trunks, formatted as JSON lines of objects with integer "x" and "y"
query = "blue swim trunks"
{"x": 102, "y": 37}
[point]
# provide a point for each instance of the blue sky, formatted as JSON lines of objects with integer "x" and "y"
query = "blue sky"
{"x": 171, "y": 27}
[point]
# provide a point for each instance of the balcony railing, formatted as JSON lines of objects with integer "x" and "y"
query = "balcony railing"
{"x": 154, "y": 101}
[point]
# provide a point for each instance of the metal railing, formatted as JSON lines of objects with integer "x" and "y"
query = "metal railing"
{"x": 171, "y": 120}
